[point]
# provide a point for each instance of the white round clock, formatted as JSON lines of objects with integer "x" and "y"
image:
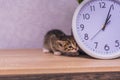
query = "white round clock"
{"x": 96, "y": 28}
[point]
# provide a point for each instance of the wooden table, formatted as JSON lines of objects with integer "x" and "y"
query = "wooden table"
{"x": 33, "y": 64}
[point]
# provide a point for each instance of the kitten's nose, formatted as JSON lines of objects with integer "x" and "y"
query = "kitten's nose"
{"x": 76, "y": 48}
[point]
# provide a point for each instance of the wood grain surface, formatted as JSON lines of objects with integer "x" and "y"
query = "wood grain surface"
{"x": 68, "y": 76}
{"x": 34, "y": 61}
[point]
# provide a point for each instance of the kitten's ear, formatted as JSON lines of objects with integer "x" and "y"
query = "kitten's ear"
{"x": 79, "y": 1}
{"x": 53, "y": 37}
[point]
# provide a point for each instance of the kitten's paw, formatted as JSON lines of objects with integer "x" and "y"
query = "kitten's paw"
{"x": 72, "y": 54}
{"x": 45, "y": 50}
{"x": 75, "y": 54}
{"x": 57, "y": 53}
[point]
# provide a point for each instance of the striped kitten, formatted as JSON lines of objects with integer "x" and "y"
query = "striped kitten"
{"x": 57, "y": 42}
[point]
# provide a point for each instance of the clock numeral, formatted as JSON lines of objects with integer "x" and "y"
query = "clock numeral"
{"x": 86, "y": 16}
{"x": 86, "y": 36}
{"x": 102, "y": 4}
{"x": 92, "y": 8}
{"x": 96, "y": 44}
{"x": 82, "y": 27}
{"x": 106, "y": 47}
{"x": 117, "y": 44}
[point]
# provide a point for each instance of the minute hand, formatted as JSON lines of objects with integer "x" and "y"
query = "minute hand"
{"x": 107, "y": 19}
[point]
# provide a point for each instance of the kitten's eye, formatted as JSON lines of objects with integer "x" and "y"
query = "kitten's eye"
{"x": 60, "y": 44}
{"x": 70, "y": 46}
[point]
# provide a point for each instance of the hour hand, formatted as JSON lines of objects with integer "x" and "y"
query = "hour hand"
{"x": 107, "y": 19}
{"x": 106, "y": 22}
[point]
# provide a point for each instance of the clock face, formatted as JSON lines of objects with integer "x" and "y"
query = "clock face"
{"x": 96, "y": 28}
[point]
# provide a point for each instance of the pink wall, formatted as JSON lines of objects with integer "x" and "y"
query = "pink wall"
{"x": 23, "y": 23}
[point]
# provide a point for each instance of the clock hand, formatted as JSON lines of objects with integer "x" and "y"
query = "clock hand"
{"x": 107, "y": 22}
{"x": 107, "y": 19}
{"x": 95, "y": 34}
